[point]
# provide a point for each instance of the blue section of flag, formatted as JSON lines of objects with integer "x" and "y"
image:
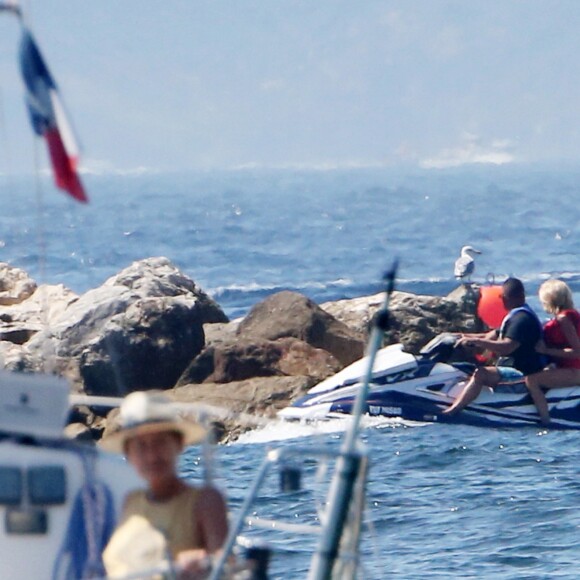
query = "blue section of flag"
{"x": 38, "y": 82}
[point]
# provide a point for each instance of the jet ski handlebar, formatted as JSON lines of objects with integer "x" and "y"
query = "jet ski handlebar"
{"x": 440, "y": 348}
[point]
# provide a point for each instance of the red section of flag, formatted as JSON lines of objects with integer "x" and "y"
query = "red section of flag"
{"x": 65, "y": 175}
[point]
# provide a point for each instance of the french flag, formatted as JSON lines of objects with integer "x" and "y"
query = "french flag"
{"x": 49, "y": 119}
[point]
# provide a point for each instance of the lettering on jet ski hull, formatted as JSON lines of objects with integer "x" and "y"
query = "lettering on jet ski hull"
{"x": 380, "y": 410}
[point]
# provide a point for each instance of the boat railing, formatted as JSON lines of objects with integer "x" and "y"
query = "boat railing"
{"x": 290, "y": 464}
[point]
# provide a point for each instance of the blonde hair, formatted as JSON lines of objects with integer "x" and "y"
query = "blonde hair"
{"x": 555, "y": 296}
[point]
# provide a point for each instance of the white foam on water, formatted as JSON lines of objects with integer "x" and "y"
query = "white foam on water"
{"x": 286, "y": 430}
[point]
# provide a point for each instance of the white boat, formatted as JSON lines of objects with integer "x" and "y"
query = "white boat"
{"x": 58, "y": 498}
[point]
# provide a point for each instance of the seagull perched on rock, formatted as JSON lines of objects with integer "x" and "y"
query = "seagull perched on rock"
{"x": 465, "y": 264}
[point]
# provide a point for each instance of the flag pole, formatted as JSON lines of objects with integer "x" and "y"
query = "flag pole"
{"x": 12, "y": 7}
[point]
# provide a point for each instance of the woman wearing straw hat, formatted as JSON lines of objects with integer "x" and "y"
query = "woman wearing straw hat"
{"x": 170, "y": 520}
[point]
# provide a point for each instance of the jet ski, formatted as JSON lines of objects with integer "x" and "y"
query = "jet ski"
{"x": 419, "y": 387}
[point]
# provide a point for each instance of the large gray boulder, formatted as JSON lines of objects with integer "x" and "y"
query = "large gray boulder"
{"x": 139, "y": 330}
{"x": 146, "y": 347}
{"x": 289, "y": 314}
{"x": 414, "y": 319}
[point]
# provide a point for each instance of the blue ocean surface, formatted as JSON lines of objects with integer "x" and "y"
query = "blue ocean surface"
{"x": 443, "y": 501}
{"x": 242, "y": 235}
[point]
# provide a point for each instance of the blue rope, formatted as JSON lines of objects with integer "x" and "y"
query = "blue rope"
{"x": 90, "y": 526}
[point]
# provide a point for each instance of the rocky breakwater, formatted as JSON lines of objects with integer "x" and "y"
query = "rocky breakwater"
{"x": 151, "y": 327}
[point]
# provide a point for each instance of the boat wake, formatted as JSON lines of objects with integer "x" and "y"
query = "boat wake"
{"x": 277, "y": 431}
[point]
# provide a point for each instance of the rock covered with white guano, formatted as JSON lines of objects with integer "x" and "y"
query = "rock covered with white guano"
{"x": 20, "y": 322}
{"x": 15, "y": 285}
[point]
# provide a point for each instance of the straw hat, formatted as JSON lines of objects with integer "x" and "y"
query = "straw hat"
{"x": 145, "y": 412}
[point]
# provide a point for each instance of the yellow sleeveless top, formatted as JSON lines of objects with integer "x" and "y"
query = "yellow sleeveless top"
{"x": 149, "y": 531}
{"x": 173, "y": 518}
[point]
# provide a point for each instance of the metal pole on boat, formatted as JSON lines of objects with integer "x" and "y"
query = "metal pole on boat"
{"x": 380, "y": 325}
{"x": 348, "y": 464}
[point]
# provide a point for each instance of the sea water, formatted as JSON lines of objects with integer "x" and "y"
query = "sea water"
{"x": 443, "y": 500}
